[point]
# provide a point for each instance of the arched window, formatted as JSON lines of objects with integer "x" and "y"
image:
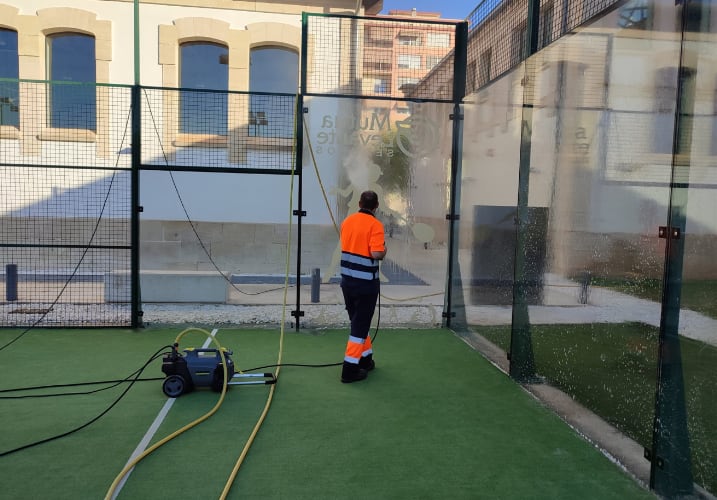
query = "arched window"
{"x": 9, "y": 95}
{"x": 71, "y": 66}
{"x": 272, "y": 69}
{"x": 203, "y": 65}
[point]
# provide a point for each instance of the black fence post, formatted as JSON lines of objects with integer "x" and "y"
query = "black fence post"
{"x": 522, "y": 362}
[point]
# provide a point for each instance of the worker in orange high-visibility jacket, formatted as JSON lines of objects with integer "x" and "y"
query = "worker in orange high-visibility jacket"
{"x": 362, "y": 246}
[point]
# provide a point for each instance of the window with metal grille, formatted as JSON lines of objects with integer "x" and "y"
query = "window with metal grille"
{"x": 381, "y": 86}
{"x": 203, "y": 66}
{"x": 518, "y": 40}
{"x": 406, "y": 84}
{"x": 635, "y": 14}
{"x": 272, "y": 69}
{"x": 438, "y": 40}
{"x": 484, "y": 67}
{"x": 471, "y": 77}
{"x": 384, "y": 66}
{"x": 71, "y": 67}
{"x": 410, "y": 39}
{"x": 379, "y": 36}
{"x": 9, "y": 94}
{"x": 546, "y": 25}
{"x": 663, "y": 120}
{"x": 432, "y": 61}
{"x": 407, "y": 61}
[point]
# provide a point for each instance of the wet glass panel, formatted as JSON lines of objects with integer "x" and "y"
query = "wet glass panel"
{"x": 210, "y": 226}
{"x": 599, "y": 169}
{"x": 489, "y": 196}
{"x": 598, "y": 184}
{"x": 694, "y": 196}
{"x": 400, "y": 150}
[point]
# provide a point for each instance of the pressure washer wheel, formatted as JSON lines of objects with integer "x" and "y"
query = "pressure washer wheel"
{"x": 173, "y": 386}
{"x": 218, "y": 379}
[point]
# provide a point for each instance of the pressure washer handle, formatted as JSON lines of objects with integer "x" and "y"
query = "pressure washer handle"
{"x": 270, "y": 378}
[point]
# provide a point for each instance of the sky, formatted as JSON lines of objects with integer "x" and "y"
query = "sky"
{"x": 449, "y": 9}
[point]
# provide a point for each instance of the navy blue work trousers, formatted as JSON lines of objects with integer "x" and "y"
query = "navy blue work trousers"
{"x": 360, "y": 297}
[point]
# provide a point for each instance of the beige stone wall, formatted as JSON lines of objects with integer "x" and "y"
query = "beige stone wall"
{"x": 244, "y": 248}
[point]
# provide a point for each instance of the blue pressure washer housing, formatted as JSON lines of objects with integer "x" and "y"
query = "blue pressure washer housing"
{"x": 195, "y": 368}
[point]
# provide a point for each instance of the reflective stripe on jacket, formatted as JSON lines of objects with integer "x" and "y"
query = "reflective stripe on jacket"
{"x": 357, "y": 266}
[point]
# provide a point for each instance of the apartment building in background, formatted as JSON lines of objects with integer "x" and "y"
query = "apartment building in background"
{"x": 397, "y": 56}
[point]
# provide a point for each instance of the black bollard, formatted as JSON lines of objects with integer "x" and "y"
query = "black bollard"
{"x": 11, "y": 282}
{"x": 585, "y": 281}
{"x": 315, "y": 284}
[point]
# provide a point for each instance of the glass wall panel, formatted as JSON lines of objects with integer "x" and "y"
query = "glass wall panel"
{"x": 694, "y": 197}
{"x": 488, "y": 200}
{"x": 620, "y": 132}
{"x": 396, "y": 149}
{"x": 229, "y": 231}
{"x": 601, "y": 95}
{"x": 597, "y": 129}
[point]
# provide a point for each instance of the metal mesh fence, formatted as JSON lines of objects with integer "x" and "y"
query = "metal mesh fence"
{"x": 66, "y": 125}
{"x": 65, "y": 204}
{"x": 63, "y": 232}
{"x": 195, "y": 129}
{"x": 498, "y": 32}
{"x": 376, "y": 57}
{"x": 65, "y": 148}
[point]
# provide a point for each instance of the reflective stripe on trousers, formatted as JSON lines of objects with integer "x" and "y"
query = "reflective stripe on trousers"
{"x": 357, "y": 348}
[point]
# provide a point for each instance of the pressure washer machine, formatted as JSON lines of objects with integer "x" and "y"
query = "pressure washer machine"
{"x": 202, "y": 368}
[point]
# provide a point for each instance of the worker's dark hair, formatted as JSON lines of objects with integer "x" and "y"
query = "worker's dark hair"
{"x": 368, "y": 200}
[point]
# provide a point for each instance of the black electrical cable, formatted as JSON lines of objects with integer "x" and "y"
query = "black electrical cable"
{"x": 114, "y": 383}
{"x": 137, "y": 373}
{"x": 158, "y": 353}
{"x": 373, "y": 339}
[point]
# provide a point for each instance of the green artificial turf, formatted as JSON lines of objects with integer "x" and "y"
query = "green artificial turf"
{"x": 611, "y": 369}
{"x": 434, "y": 420}
{"x": 696, "y": 295}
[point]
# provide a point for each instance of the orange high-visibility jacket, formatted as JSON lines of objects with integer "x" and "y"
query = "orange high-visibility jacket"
{"x": 361, "y": 234}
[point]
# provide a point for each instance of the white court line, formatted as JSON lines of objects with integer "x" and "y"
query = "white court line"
{"x": 152, "y": 431}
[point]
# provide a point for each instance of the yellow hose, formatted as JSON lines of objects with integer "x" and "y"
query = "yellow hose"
{"x": 130, "y": 465}
{"x": 258, "y": 424}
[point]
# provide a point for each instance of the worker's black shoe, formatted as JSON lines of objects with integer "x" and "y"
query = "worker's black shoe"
{"x": 352, "y": 373}
{"x": 367, "y": 363}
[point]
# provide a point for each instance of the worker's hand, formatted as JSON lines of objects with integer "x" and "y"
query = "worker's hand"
{"x": 379, "y": 255}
